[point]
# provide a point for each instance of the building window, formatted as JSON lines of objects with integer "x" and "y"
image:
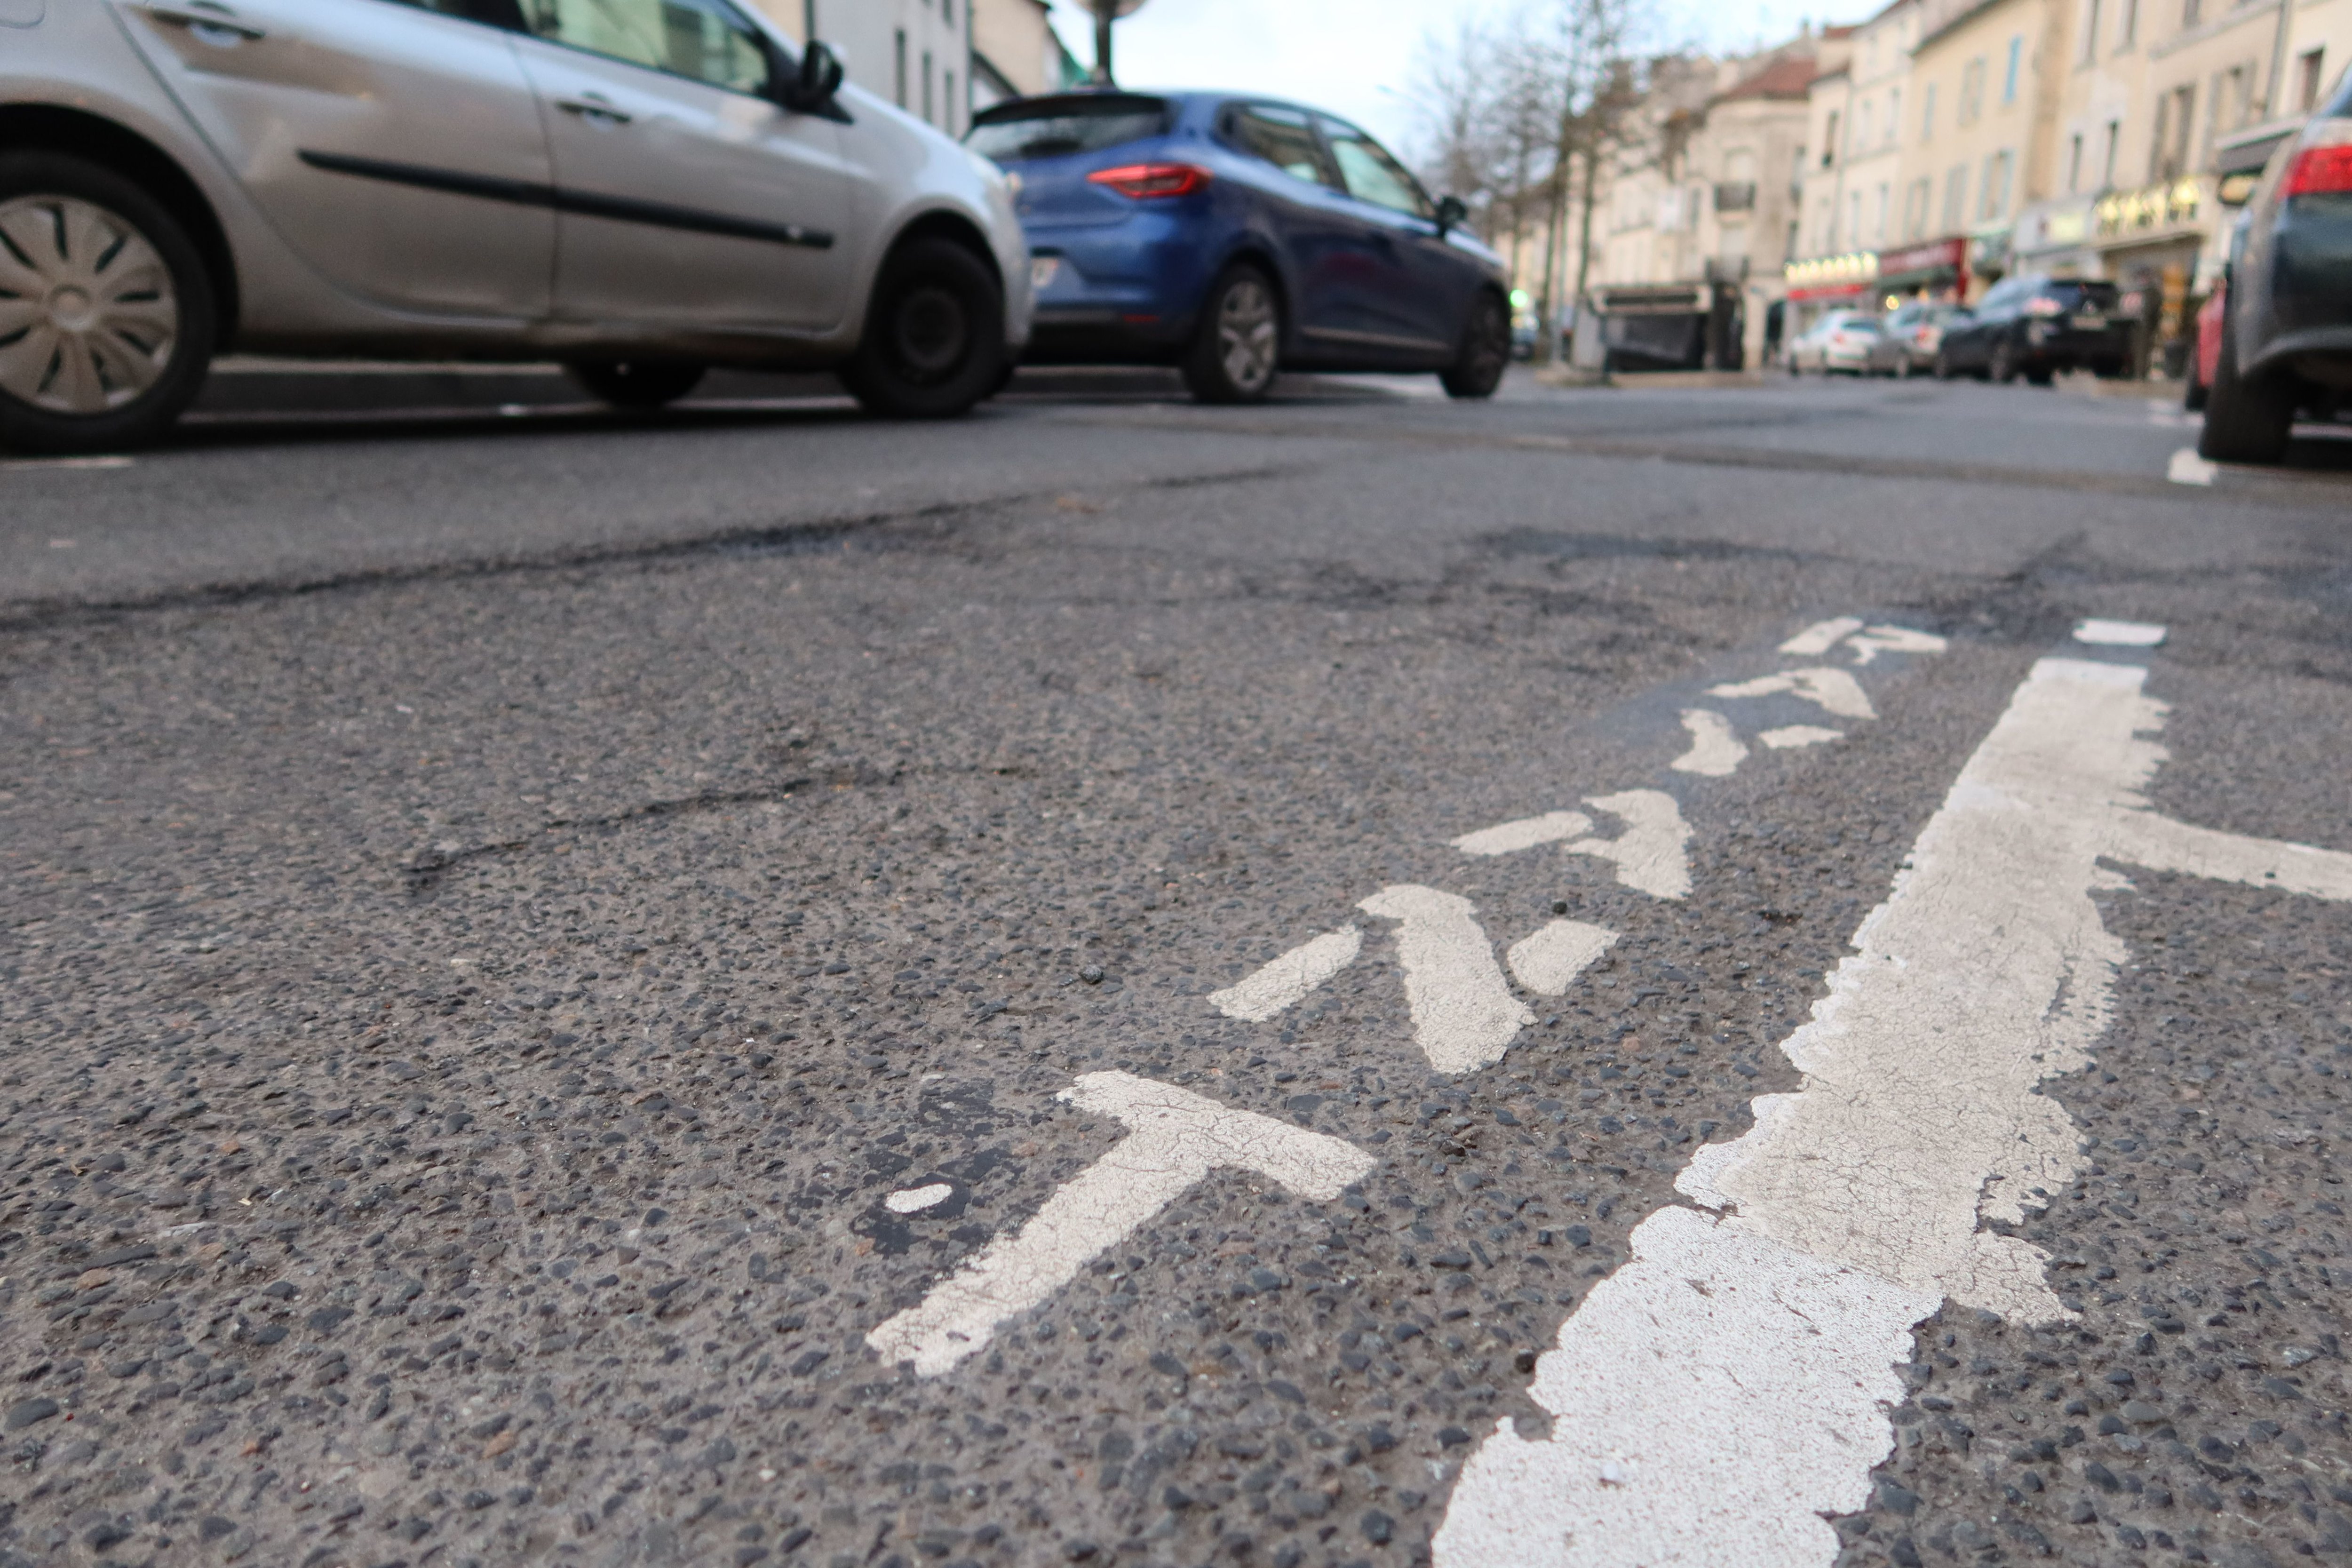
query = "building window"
{"x": 1999, "y": 171}
{"x": 948, "y": 102}
{"x": 2090, "y": 31}
{"x": 1878, "y": 227}
{"x": 2009, "y": 71}
{"x": 1829, "y": 142}
{"x": 1895, "y": 116}
{"x": 1972, "y": 85}
{"x": 2074, "y": 162}
{"x": 1956, "y": 198}
{"x": 927, "y": 89}
{"x": 2191, "y": 13}
{"x": 1928, "y": 115}
{"x": 2308, "y": 79}
{"x": 2128, "y": 34}
{"x": 902, "y": 67}
{"x": 2108, "y": 164}
{"x": 2175, "y": 113}
{"x": 1914, "y": 207}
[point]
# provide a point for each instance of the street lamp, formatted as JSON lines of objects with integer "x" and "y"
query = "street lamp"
{"x": 1105, "y": 12}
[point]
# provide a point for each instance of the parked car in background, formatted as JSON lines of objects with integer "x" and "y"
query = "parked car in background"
{"x": 1233, "y": 235}
{"x": 2037, "y": 326}
{"x": 638, "y": 188}
{"x": 1910, "y": 335}
{"x": 2285, "y": 340}
{"x": 1841, "y": 341}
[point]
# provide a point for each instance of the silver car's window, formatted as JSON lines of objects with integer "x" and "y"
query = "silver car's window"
{"x": 1371, "y": 174}
{"x": 494, "y": 13}
{"x": 697, "y": 38}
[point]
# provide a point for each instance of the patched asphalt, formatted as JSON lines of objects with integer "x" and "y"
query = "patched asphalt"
{"x": 493, "y": 911}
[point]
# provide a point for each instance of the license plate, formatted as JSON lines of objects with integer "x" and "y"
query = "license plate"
{"x": 1042, "y": 269}
{"x": 2090, "y": 323}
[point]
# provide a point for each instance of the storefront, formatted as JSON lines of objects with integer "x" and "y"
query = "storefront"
{"x": 1677, "y": 326}
{"x": 1937, "y": 270}
{"x": 2054, "y": 238}
{"x": 1823, "y": 283}
{"x": 2153, "y": 243}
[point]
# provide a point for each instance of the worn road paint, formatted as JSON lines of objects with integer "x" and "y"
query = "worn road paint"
{"x": 1821, "y": 637}
{"x": 1175, "y": 1139}
{"x": 1706, "y": 1400}
{"x": 915, "y": 1200}
{"x": 1715, "y": 751}
{"x": 2119, "y": 634}
{"x": 1653, "y": 855}
{"x": 2188, "y": 469}
{"x": 1285, "y": 981}
{"x": 1869, "y": 645}
{"x": 1464, "y": 1014}
{"x": 1832, "y": 689}
{"x": 1855, "y": 1206}
{"x": 1550, "y": 960}
{"x": 1552, "y": 827}
{"x": 1790, "y": 736}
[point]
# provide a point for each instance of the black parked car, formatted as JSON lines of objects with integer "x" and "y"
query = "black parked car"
{"x": 2034, "y": 327}
{"x": 2286, "y": 330}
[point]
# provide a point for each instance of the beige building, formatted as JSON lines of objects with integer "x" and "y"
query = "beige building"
{"x": 915, "y": 53}
{"x": 1015, "y": 54}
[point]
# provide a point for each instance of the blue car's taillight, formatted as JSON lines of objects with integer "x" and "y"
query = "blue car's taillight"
{"x": 1153, "y": 182}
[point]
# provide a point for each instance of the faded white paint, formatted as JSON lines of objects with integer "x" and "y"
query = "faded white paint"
{"x": 1174, "y": 1139}
{"x": 915, "y": 1200}
{"x": 2188, "y": 469}
{"x": 1528, "y": 832}
{"x": 1789, "y": 737}
{"x": 1835, "y": 690}
{"x": 1464, "y": 1014}
{"x": 1707, "y": 1400}
{"x": 1714, "y": 748}
{"x": 1821, "y": 637}
{"x": 1869, "y": 645}
{"x": 1548, "y": 961}
{"x": 1653, "y": 852}
{"x": 1286, "y": 980}
{"x": 1735, "y": 1371}
{"x": 2119, "y": 634}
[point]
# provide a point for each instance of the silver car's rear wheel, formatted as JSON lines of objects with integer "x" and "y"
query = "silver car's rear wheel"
{"x": 88, "y": 317}
{"x": 106, "y": 319}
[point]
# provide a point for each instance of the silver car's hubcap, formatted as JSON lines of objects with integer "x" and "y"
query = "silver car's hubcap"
{"x": 87, "y": 315}
{"x": 1246, "y": 335}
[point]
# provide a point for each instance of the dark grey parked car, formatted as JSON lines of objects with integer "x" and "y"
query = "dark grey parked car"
{"x": 2036, "y": 326}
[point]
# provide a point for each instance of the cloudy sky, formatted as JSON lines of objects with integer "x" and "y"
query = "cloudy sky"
{"x": 1357, "y": 57}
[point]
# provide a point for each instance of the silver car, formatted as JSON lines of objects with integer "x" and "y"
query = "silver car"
{"x": 638, "y": 188}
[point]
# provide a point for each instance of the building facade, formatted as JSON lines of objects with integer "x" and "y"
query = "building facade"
{"x": 917, "y": 54}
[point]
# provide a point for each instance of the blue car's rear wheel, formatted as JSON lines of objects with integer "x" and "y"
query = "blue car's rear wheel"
{"x": 1237, "y": 348}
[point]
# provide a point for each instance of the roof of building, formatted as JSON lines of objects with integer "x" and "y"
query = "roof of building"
{"x": 1788, "y": 76}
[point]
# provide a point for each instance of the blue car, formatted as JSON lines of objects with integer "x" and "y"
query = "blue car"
{"x": 1233, "y": 235}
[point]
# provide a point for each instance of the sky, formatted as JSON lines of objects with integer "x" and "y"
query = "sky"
{"x": 1356, "y": 57}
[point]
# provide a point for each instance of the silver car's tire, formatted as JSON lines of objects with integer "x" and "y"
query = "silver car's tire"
{"x": 107, "y": 314}
{"x": 1237, "y": 348}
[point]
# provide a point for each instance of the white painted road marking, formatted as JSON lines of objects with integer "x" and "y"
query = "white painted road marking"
{"x": 1737, "y": 1371}
{"x": 915, "y": 1200}
{"x": 1464, "y": 1014}
{"x": 1174, "y": 1139}
{"x": 1653, "y": 855}
{"x": 1524, "y": 833}
{"x": 1714, "y": 748}
{"x": 1832, "y": 689}
{"x": 1548, "y": 961}
{"x": 1286, "y": 980}
{"x": 2119, "y": 634}
{"x": 2188, "y": 469}
{"x": 1893, "y": 639}
{"x": 1821, "y": 637}
{"x": 1790, "y": 736}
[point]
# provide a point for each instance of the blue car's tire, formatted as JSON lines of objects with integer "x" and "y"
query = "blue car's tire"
{"x": 1485, "y": 351}
{"x": 1237, "y": 348}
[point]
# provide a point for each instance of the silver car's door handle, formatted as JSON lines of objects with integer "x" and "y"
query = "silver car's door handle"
{"x": 593, "y": 106}
{"x": 217, "y": 18}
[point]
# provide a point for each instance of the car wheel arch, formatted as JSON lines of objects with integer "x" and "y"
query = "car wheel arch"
{"x": 95, "y": 139}
{"x": 1261, "y": 254}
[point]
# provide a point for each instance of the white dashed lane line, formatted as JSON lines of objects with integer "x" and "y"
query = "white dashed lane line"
{"x": 1730, "y": 1386}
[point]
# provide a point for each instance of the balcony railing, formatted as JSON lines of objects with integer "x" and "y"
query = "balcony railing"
{"x": 1737, "y": 196}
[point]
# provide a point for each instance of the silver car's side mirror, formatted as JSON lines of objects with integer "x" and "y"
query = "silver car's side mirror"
{"x": 811, "y": 89}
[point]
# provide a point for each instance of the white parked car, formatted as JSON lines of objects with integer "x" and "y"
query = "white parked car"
{"x": 639, "y": 189}
{"x": 1840, "y": 340}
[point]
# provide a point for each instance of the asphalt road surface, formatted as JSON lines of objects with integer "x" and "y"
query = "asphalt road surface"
{"x": 1742, "y": 976}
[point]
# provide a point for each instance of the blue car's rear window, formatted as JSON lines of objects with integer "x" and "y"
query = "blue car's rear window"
{"x": 1058, "y": 127}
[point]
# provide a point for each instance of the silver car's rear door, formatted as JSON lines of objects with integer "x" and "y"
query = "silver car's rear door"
{"x": 690, "y": 200}
{"x": 396, "y": 146}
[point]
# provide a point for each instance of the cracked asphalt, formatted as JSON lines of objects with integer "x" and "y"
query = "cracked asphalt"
{"x": 496, "y": 909}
